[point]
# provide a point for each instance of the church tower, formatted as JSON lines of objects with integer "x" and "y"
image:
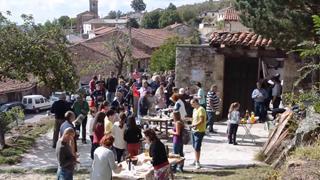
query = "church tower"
{"x": 94, "y": 7}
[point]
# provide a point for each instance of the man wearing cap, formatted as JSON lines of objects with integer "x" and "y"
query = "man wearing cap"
{"x": 59, "y": 108}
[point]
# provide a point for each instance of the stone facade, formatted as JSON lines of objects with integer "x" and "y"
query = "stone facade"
{"x": 199, "y": 63}
{"x": 291, "y": 73}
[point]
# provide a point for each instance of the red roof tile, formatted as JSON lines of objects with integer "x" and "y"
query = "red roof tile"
{"x": 239, "y": 39}
{"x": 7, "y": 86}
{"x": 103, "y": 30}
{"x": 231, "y": 15}
{"x": 103, "y": 49}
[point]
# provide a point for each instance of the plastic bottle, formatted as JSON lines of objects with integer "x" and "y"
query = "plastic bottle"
{"x": 146, "y": 149}
{"x": 252, "y": 117}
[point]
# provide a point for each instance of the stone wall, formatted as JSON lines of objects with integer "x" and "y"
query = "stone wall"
{"x": 199, "y": 63}
{"x": 290, "y": 73}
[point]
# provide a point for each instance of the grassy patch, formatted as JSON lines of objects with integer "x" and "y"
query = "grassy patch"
{"x": 307, "y": 152}
{"x": 260, "y": 156}
{"x": 23, "y": 139}
{"x": 231, "y": 174}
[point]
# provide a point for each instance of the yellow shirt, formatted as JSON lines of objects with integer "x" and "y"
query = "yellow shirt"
{"x": 108, "y": 125}
{"x": 197, "y": 113}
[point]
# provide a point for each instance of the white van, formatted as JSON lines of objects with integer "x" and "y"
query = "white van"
{"x": 36, "y": 103}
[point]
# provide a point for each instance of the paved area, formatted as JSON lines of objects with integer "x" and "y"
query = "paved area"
{"x": 216, "y": 152}
{"x": 33, "y": 118}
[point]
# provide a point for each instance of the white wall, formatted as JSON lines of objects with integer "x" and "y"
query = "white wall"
{"x": 86, "y": 28}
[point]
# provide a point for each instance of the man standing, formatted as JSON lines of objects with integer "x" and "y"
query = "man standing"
{"x": 111, "y": 86}
{"x": 276, "y": 91}
{"x": 81, "y": 107}
{"x": 59, "y": 108}
{"x": 199, "y": 118}
{"x": 92, "y": 84}
{"x": 259, "y": 96}
{"x": 213, "y": 102}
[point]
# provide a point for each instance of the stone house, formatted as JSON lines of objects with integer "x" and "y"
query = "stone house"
{"x": 87, "y": 15}
{"x": 13, "y": 90}
{"x": 234, "y": 62}
{"x": 182, "y": 29}
{"x": 98, "y": 23}
{"x": 93, "y": 57}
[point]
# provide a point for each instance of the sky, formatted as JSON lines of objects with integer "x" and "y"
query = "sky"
{"x": 43, "y": 10}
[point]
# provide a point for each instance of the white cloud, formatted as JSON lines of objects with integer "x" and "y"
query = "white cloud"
{"x": 43, "y": 10}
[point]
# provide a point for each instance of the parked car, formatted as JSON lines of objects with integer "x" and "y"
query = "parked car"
{"x": 36, "y": 103}
{"x": 8, "y": 106}
{"x": 55, "y": 96}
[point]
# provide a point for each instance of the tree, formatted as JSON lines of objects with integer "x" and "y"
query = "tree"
{"x": 287, "y": 23}
{"x": 138, "y": 5}
{"x": 172, "y": 7}
{"x": 165, "y": 57}
{"x": 112, "y": 15}
{"x": 187, "y": 15}
{"x": 6, "y": 119}
{"x": 132, "y": 23}
{"x": 151, "y": 20}
{"x": 64, "y": 21}
{"x": 169, "y": 17}
{"x": 37, "y": 51}
{"x": 120, "y": 48}
{"x": 310, "y": 52}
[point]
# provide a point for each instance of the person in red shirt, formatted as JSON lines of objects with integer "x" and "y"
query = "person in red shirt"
{"x": 98, "y": 131}
{"x": 92, "y": 84}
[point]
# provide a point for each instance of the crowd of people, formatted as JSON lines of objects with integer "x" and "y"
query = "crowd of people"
{"x": 117, "y": 131}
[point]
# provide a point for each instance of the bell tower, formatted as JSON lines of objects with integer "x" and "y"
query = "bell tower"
{"x": 94, "y": 7}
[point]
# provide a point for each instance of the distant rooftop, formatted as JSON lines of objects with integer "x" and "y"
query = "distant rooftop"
{"x": 107, "y": 21}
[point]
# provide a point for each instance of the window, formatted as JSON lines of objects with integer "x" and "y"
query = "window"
{"x": 29, "y": 101}
{"x": 37, "y": 101}
{"x": 41, "y": 100}
{"x": 25, "y": 100}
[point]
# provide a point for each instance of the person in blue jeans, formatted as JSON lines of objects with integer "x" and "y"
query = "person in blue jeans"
{"x": 259, "y": 96}
{"x": 177, "y": 139}
{"x": 66, "y": 155}
{"x": 213, "y": 103}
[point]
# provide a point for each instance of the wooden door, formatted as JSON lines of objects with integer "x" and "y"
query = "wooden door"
{"x": 240, "y": 77}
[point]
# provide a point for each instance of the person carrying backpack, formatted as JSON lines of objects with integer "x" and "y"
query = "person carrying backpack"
{"x": 177, "y": 133}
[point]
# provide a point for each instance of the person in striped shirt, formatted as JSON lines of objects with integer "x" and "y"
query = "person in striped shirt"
{"x": 213, "y": 103}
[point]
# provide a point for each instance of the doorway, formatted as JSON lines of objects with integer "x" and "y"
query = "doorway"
{"x": 240, "y": 77}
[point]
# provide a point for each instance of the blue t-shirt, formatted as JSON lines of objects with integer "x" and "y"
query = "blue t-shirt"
{"x": 64, "y": 126}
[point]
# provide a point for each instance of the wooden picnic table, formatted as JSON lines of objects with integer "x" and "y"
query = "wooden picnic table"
{"x": 157, "y": 119}
{"x": 142, "y": 170}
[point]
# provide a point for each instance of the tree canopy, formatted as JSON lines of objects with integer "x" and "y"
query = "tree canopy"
{"x": 138, "y": 5}
{"x": 114, "y": 14}
{"x": 169, "y": 17}
{"x": 36, "y": 51}
{"x": 133, "y": 23}
{"x": 287, "y": 23}
{"x": 151, "y": 20}
{"x": 172, "y": 7}
{"x": 165, "y": 57}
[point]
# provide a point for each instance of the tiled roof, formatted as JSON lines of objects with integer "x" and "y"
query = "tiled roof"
{"x": 106, "y": 21}
{"x": 248, "y": 39}
{"x": 101, "y": 48}
{"x": 231, "y": 15}
{"x": 103, "y": 30}
{"x": 7, "y": 86}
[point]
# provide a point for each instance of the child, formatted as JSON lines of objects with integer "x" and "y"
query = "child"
{"x": 234, "y": 119}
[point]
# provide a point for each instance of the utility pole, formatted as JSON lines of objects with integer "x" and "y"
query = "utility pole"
{"x": 130, "y": 47}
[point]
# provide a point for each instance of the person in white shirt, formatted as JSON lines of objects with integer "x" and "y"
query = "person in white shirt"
{"x": 104, "y": 162}
{"x": 234, "y": 120}
{"x": 118, "y": 132}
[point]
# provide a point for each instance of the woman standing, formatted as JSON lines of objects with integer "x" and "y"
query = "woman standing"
{"x": 179, "y": 105}
{"x": 118, "y": 132}
{"x": 104, "y": 162}
{"x": 160, "y": 97}
{"x": 132, "y": 136}
{"x": 98, "y": 131}
{"x": 65, "y": 155}
{"x": 177, "y": 138}
{"x": 158, "y": 156}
